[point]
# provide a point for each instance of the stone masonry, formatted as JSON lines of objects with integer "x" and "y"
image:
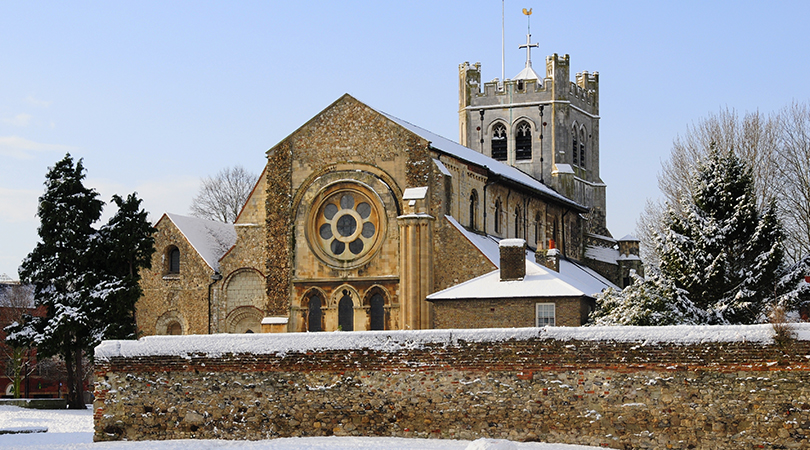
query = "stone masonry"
{"x": 617, "y": 393}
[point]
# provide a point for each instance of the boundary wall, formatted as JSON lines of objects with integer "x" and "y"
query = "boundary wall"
{"x": 722, "y": 387}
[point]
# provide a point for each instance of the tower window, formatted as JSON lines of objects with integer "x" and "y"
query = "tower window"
{"x": 582, "y": 148}
{"x": 499, "y": 142}
{"x": 523, "y": 141}
{"x": 575, "y": 147}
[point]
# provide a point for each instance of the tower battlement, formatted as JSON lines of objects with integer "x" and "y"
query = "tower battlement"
{"x": 582, "y": 92}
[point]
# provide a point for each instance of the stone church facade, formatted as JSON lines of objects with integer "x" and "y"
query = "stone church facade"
{"x": 358, "y": 216}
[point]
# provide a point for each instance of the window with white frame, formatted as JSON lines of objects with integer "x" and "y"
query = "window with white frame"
{"x": 546, "y": 314}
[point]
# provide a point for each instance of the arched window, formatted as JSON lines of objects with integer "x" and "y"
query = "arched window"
{"x": 315, "y": 314}
{"x": 473, "y": 208}
{"x": 173, "y": 258}
{"x": 498, "y": 215}
{"x": 377, "y": 312}
{"x": 582, "y": 148}
{"x": 523, "y": 141}
{"x": 174, "y": 328}
{"x": 499, "y": 142}
{"x": 575, "y": 147}
{"x": 518, "y": 221}
{"x": 537, "y": 229}
{"x": 346, "y": 312}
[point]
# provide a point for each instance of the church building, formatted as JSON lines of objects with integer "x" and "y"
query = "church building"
{"x": 363, "y": 221}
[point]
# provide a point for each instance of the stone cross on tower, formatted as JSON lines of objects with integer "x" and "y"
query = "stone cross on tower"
{"x": 528, "y": 73}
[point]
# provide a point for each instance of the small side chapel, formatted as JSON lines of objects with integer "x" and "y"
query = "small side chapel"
{"x": 359, "y": 216}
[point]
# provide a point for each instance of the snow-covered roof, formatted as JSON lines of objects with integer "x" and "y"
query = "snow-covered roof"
{"x": 603, "y": 254}
{"x": 442, "y": 168}
{"x": 538, "y": 282}
{"x": 469, "y": 155}
{"x": 392, "y": 341}
{"x": 211, "y": 239}
{"x": 5, "y": 279}
{"x": 573, "y": 279}
{"x": 629, "y": 237}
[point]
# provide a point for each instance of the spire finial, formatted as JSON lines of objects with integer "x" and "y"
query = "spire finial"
{"x": 528, "y": 46}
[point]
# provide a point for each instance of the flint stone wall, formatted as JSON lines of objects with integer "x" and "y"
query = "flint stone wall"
{"x": 550, "y": 385}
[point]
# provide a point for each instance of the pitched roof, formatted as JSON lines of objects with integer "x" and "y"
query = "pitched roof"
{"x": 211, "y": 239}
{"x": 573, "y": 280}
{"x": 497, "y": 168}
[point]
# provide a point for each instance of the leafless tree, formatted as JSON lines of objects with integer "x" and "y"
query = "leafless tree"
{"x": 753, "y": 137}
{"x": 16, "y": 300}
{"x": 793, "y": 166}
{"x": 222, "y": 196}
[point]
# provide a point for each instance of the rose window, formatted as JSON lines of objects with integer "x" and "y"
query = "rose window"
{"x": 347, "y": 224}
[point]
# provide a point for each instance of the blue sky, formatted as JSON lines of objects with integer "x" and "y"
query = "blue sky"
{"x": 155, "y": 95}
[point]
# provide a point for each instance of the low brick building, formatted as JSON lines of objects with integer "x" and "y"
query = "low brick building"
{"x": 520, "y": 293}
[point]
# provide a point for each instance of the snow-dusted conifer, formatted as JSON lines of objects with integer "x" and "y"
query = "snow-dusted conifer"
{"x": 61, "y": 270}
{"x": 720, "y": 249}
{"x": 127, "y": 243}
{"x": 645, "y": 302}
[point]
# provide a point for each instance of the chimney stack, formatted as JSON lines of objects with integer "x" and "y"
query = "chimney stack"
{"x": 513, "y": 259}
{"x": 552, "y": 256}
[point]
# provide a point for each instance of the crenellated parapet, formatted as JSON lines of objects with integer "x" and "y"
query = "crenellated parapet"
{"x": 585, "y": 91}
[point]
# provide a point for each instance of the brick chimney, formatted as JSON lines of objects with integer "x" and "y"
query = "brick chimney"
{"x": 513, "y": 259}
{"x": 552, "y": 257}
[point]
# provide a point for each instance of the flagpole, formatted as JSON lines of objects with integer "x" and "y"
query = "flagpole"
{"x": 503, "y": 47}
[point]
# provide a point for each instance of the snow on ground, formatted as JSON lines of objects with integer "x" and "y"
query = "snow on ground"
{"x": 73, "y": 430}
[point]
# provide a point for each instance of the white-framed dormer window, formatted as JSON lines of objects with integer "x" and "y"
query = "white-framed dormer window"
{"x": 545, "y": 314}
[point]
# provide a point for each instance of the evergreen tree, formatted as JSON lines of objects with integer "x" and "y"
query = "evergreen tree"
{"x": 128, "y": 244}
{"x": 720, "y": 249}
{"x": 645, "y": 302}
{"x": 87, "y": 279}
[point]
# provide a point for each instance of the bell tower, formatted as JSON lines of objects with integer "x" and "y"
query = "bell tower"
{"x": 546, "y": 127}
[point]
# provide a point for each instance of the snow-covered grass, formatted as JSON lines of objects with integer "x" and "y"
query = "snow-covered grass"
{"x": 73, "y": 430}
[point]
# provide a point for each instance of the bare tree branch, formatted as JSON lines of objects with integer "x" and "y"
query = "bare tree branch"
{"x": 793, "y": 166}
{"x": 221, "y": 197}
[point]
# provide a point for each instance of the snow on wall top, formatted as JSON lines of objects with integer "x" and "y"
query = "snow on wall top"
{"x": 210, "y": 238}
{"x": 218, "y": 345}
{"x": 470, "y": 155}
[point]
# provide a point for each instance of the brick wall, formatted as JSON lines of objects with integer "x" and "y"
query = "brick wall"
{"x": 622, "y": 393}
{"x": 507, "y": 312}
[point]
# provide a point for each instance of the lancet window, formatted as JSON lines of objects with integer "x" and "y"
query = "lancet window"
{"x": 499, "y": 142}
{"x": 523, "y": 141}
